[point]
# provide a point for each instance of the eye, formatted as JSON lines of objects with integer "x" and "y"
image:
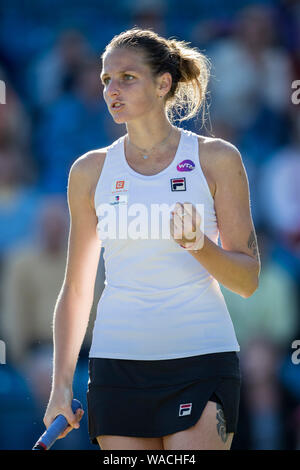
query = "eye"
{"x": 105, "y": 80}
{"x": 128, "y": 77}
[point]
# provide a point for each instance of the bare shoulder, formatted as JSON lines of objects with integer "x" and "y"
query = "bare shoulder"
{"x": 217, "y": 151}
{"x": 217, "y": 156}
{"x": 86, "y": 171}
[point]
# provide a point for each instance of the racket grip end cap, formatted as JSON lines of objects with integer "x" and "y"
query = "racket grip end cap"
{"x": 39, "y": 446}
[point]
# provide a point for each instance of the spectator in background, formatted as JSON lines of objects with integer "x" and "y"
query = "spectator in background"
{"x": 74, "y": 124}
{"x": 265, "y": 324}
{"x": 289, "y": 24}
{"x": 18, "y": 197}
{"x": 16, "y": 410}
{"x": 280, "y": 193}
{"x": 290, "y": 381}
{"x": 53, "y": 73}
{"x": 227, "y": 131}
{"x": 15, "y": 123}
{"x": 262, "y": 394}
{"x": 148, "y": 14}
{"x": 251, "y": 87}
{"x": 32, "y": 277}
{"x": 272, "y": 310}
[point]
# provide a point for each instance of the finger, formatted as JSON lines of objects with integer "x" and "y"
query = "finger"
{"x": 79, "y": 414}
{"x": 178, "y": 229}
{"x": 191, "y": 209}
{"x": 175, "y": 228}
{"x": 172, "y": 226}
{"x": 194, "y": 215}
{"x": 75, "y": 423}
{"x": 188, "y": 233}
{"x": 176, "y": 220}
{"x": 185, "y": 214}
{"x": 188, "y": 207}
{"x": 186, "y": 217}
{"x": 188, "y": 225}
{"x": 66, "y": 432}
{"x": 179, "y": 209}
{"x": 190, "y": 212}
{"x": 184, "y": 226}
{"x": 72, "y": 418}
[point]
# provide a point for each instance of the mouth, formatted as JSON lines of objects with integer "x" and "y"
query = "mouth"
{"x": 116, "y": 106}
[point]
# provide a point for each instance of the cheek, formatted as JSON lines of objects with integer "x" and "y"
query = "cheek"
{"x": 105, "y": 95}
{"x": 142, "y": 97}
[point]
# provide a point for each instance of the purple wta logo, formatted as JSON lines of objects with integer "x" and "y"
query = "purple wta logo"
{"x": 186, "y": 165}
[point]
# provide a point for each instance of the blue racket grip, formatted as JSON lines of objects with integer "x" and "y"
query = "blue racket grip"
{"x": 55, "y": 429}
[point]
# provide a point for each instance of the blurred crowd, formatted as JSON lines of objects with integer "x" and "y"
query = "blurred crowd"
{"x": 54, "y": 112}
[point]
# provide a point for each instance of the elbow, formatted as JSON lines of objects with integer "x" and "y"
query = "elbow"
{"x": 253, "y": 281}
{"x": 251, "y": 288}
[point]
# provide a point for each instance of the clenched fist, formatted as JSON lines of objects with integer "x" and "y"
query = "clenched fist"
{"x": 185, "y": 225}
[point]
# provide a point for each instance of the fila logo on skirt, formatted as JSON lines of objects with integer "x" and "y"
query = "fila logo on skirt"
{"x": 178, "y": 184}
{"x": 185, "y": 409}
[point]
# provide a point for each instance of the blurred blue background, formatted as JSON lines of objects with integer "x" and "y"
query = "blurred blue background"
{"x": 54, "y": 112}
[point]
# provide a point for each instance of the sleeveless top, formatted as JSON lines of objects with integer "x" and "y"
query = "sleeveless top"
{"x": 158, "y": 301}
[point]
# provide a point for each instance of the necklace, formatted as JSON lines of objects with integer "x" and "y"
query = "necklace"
{"x": 146, "y": 152}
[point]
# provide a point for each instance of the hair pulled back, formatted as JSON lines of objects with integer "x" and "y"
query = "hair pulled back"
{"x": 189, "y": 68}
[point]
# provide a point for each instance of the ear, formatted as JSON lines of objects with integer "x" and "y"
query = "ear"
{"x": 164, "y": 84}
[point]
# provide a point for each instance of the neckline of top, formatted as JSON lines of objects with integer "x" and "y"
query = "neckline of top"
{"x": 141, "y": 175}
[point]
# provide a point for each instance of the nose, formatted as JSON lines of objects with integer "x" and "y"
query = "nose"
{"x": 112, "y": 89}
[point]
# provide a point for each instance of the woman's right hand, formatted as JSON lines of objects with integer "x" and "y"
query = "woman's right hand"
{"x": 60, "y": 403}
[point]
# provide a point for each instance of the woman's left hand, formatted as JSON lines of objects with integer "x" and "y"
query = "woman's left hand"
{"x": 185, "y": 225}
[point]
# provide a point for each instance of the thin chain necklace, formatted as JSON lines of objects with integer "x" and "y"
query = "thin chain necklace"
{"x": 146, "y": 152}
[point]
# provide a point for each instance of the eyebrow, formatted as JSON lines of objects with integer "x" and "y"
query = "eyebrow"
{"x": 129, "y": 69}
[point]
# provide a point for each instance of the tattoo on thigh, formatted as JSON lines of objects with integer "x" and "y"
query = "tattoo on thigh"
{"x": 252, "y": 244}
{"x": 221, "y": 423}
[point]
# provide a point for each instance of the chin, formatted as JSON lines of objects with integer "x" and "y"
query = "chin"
{"x": 119, "y": 118}
{"x": 123, "y": 117}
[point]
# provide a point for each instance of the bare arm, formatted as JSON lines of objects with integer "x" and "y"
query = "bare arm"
{"x": 236, "y": 264}
{"x": 74, "y": 303}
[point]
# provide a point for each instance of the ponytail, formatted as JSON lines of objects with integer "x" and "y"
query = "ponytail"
{"x": 189, "y": 93}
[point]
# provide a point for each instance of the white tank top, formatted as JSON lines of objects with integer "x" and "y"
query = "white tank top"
{"x": 158, "y": 301}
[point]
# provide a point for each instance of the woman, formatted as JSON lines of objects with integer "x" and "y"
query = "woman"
{"x": 164, "y": 371}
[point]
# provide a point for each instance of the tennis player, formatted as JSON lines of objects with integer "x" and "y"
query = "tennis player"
{"x": 163, "y": 366}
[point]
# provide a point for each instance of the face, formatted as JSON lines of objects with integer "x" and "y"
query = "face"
{"x": 130, "y": 90}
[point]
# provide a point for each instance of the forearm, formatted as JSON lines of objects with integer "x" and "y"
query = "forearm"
{"x": 71, "y": 316}
{"x": 235, "y": 271}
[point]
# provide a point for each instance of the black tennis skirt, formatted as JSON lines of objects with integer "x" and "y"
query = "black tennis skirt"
{"x": 145, "y": 398}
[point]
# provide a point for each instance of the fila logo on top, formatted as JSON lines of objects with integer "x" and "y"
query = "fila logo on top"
{"x": 178, "y": 184}
{"x": 185, "y": 409}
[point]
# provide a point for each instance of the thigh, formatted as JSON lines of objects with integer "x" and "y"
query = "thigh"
{"x": 129, "y": 443}
{"x": 209, "y": 433}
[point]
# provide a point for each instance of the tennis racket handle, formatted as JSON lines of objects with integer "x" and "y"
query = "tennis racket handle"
{"x": 55, "y": 429}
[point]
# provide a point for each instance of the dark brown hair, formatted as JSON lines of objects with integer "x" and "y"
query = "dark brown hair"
{"x": 189, "y": 68}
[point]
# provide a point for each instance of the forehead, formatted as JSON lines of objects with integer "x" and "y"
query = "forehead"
{"x": 121, "y": 59}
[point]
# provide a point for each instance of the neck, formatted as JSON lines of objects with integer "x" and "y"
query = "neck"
{"x": 148, "y": 134}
